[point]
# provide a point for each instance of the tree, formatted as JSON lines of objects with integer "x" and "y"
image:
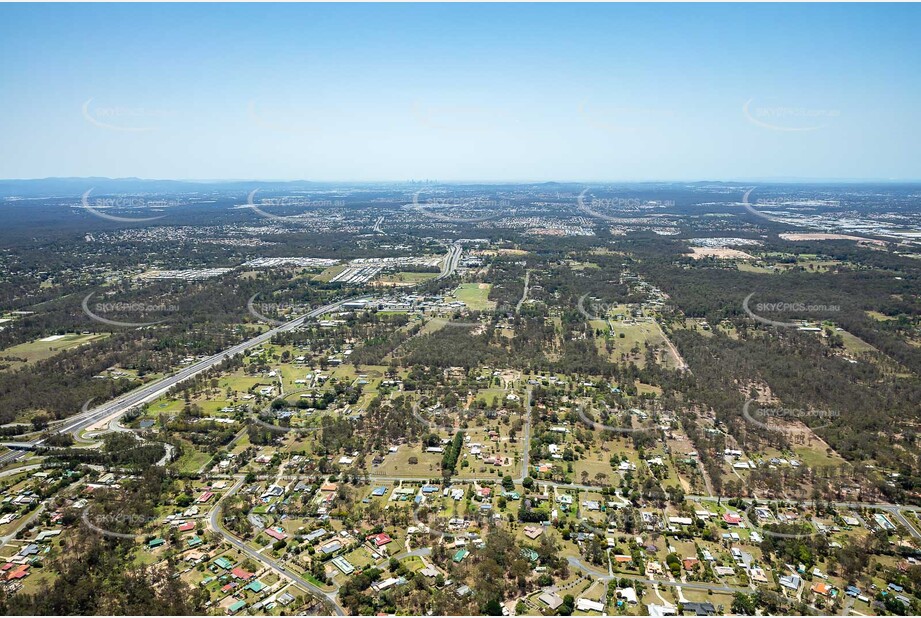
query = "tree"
{"x": 569, "y": 604}
{"x": 492, "y": 608}
{"x": 743, "y": 604}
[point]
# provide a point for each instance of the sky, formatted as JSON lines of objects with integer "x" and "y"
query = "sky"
{"x": 488, "y": 92}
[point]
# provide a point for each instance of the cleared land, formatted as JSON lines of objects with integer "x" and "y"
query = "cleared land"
{"x": 40, "y": 349}
{"x": 475, "y": 296}
{"x": 830, "y": 237}
{"x": 726, "y": 254}
{"x": 405, "y": 278}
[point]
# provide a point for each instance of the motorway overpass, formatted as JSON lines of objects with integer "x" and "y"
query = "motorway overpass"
{"x": 149, "y": 392}
{"x": 118, "y": 406}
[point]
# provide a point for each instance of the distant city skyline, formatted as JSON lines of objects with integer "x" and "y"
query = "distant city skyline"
{"x": 462, "y": 93}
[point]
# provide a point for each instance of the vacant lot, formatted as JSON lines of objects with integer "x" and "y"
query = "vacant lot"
{"x": 398, "y": 464}
{"x": 629, "y": 340}
{"x": 727, "y": 254}
{"x": 475, "y": 296}
{"x": 46, "y": 347}
{"x": 830, "y": 237}
{"x": 406, "y": 278}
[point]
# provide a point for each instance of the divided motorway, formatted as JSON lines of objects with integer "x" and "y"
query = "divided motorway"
{"x": 122, "y": 404}
{"x": 451, "y": 261}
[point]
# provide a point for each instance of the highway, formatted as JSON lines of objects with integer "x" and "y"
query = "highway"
{"x": 118, "y": 406}
{"x": 451, "y": 260}
{"x": 113, "y": 409}
{"x": 155, "y": 389}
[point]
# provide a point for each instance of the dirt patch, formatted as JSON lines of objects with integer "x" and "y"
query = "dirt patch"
{"x": 724, "y": 254}
{"x": 831, "y": 237}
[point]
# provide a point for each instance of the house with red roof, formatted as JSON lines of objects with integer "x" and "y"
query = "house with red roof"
{"x": 690, "y": 563}
{"x": 380, "y": 539}
{"x": 821, "y": 588}
{"x": 205, "y": 497}
{"x": 278, "y": 535}
{"x": 18, "y": 573}
{"x": 240, "y": 573}
{"x": 187, "y": 527}
{"x": 733, "y": 519}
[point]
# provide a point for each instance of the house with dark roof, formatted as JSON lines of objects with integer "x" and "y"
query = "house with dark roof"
{"x": 698, "y": 609}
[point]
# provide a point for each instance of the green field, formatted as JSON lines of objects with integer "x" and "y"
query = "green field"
{"x": 854, "y": 344}
{"x": 40, "y": 350}
{"x": 428, "y": 466}
{"x": 486, "y": 395}
{"x": 433, "y": 325}
{"x": 407, "y": 278}
{"x": 475, "y": 296}
{"x": 192, "y": 459}
{"x": 330, "y": 272}
{"x": 880, "y": 317}
{"x": 636, "y": 335}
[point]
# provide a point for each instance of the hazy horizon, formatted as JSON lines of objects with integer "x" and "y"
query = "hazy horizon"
{"x": 500, "y": 181}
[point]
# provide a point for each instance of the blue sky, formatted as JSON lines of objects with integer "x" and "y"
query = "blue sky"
{"x": 460, "y": 92}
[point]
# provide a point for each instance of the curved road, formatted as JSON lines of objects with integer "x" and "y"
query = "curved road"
{"x": 121, "y": 404}
{"x": 215, "y": 522}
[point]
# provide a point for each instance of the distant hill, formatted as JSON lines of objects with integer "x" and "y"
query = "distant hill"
{"x": 75, "y": 187}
